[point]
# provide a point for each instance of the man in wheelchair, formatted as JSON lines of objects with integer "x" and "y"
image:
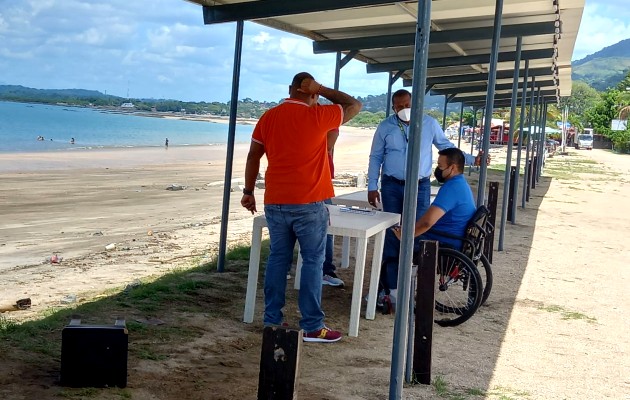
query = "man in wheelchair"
{"x": 449, "y": 213}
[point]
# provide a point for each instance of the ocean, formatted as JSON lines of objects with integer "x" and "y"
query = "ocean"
{"x": 22, "y": 123}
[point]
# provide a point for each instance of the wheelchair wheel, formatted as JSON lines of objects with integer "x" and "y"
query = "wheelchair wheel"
{"x": 485, "y": 269}
{"x": 460, "y": 288}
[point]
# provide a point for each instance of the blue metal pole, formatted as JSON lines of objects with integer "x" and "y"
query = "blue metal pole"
{"x": 388, "y": 107}
{"x": 520, "y": 139}
{"x": 535, "y": 153}
{"x": 535, "y": 137}
{"x": 421, "y": 57}
{"x": 337, "y": 70}
{"x": 492, "y": 79}
{"x": 229, "y": 158}
{"x": 472, "y": 136}
{"x": 543, "y": 134}
{"x": 461, "y": 122}
{"x": 444, "y": 113}
{"x": 508, "y": 159}
{"x": 529, "y": 141}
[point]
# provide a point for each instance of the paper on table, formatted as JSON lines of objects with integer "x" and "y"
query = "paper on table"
{"x": 357, "y": 210}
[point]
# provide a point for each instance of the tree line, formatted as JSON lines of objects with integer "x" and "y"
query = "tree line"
{"x": 587, "y": 107}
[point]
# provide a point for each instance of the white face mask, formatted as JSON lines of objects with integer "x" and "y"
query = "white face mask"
{"x": 404, "y": 114}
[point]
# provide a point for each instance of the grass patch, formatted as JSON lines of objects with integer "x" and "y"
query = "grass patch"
{"x": 567, "y": 314}
{"x": 570, "y": 168}
{"x": 506, "y": 393}
{"x": 198, "y": 292}
{"x": 440, "y": 385}
{"x": 82, "y": 393}
{"x": 476, "y": 392}
{"x": 442, "y": 390}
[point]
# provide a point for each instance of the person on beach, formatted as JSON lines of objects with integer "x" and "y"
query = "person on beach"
{"x": 294, "y": 137}
{"x": 388, "y": 158}
{"x": 166, "y": 143}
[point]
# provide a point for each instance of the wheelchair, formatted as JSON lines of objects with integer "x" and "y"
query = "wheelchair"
{"x": 464, "y": 275}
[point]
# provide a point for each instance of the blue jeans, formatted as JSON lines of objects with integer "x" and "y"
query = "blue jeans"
{"x": 306, "y": 223}
{"x": 392, "y": 195}
{"x": 329, "y": 267}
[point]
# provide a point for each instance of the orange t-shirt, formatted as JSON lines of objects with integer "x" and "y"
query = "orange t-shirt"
{"x": 294, "y": 136}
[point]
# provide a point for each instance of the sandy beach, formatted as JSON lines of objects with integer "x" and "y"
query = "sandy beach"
{"x": 73, "y": 204}
{"x": 555, "y": 326}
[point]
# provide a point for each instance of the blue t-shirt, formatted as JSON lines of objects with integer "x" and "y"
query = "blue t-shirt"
{"x": 456, "y": 199}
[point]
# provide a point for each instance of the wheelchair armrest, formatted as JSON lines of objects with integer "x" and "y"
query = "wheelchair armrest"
{"x": 445, "y": 234}
{"x": 451, "y": 236}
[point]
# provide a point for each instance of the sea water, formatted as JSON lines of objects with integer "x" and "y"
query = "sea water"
{"x": 22, "y": 123}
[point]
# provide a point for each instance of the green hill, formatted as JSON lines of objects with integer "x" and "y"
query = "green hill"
{"x": 17, "y": 91}
{"x": 605, "y": 68}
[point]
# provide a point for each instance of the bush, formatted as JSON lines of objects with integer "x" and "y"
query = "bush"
{"x": 621, "y": 141}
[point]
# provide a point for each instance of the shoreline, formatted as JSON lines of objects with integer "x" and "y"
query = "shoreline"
{"x": 352, "y": 141}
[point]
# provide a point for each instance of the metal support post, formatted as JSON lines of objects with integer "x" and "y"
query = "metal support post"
{"x": 520, "y": 140}
{"x": 461, "y": 123}
{"x": 508, "y": 159}
{"x": 229, "y": 158}
{"x": 423, "y": 29}
{"x": 492, "y": 79}
{"x": 529, "y": 141}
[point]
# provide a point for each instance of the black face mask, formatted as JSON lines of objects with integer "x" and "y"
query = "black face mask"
{"x": 438, "y": 175}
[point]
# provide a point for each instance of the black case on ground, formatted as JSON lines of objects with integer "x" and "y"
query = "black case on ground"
{"x": 94, "y": 355}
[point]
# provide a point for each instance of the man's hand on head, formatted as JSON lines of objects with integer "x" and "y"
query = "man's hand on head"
{"x": 309, "y": 86}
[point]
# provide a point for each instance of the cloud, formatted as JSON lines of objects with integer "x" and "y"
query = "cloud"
{"x": 604, "y": 23}
{"x": 261, "y": 38}
{"x": 162, "y": 49}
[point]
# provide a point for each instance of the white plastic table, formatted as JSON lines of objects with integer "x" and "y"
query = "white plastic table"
{"x": 359, "y": 199}
{"x": 361, "y": 227}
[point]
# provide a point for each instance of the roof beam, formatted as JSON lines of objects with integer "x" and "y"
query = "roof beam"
{"x": 484, "y": 88}
{"x": 466, "y": 78}
{"x": 498, "y": 96}
{"x": 253, "y": 10}
{"x": 460, "y": 60}
{"x": 503, "y": 103}
{"x": 436, "y": 37}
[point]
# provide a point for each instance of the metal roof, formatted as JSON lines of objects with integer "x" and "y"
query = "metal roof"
{"x": 382, "y": 34}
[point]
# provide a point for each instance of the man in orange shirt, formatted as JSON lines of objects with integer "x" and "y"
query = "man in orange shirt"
{"x": 294, "y": 136}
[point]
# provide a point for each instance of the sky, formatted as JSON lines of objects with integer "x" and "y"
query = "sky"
{"x": 161, "y": 49}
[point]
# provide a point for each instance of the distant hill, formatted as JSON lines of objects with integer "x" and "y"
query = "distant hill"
{"x": 605, "y": 68}
{"x": 247, "y": 108}
{"x": 17, "y": 91}
{"x": 379, "y": 102}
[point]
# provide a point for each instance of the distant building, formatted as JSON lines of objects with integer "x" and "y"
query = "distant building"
{"x": 127, "y": 105}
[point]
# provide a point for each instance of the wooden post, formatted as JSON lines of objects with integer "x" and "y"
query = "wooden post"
{"x": 534, "y": 172}
{"x": 493, "y": 198}
{"x": 426, "y": 260}
{"x": 510, "y": 216}
{"x": 529, "y": 178}
{"x": 279, "y": 363}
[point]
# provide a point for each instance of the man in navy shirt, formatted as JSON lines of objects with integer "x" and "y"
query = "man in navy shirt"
{"x": 452, "y": 208}
{"x": 454, "y": 204}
